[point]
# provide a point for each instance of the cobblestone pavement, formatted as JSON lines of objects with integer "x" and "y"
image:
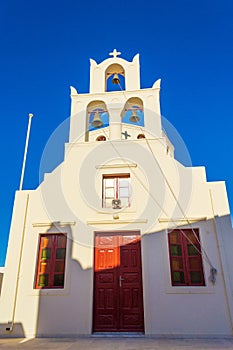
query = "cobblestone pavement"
{"x": 114, "y": 343}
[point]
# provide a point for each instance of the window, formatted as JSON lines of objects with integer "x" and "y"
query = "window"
{"x": 51, "y": 261}
{"x": 101, "y": 138}
{"x": 185, "y": 258}
{"x": 141, "y": 136}
{"x": 116, "y": 187}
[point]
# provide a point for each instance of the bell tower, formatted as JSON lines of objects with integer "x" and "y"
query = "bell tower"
{"x": 113, "y": 67}
{"x": 124, "y": 113}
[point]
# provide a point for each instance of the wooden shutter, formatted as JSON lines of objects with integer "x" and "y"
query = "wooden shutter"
{"x": 51, "y": 261}
{"x": 185, "y": 258}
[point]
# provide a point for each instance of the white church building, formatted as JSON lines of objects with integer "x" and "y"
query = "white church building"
{"x": 120, "y": 238}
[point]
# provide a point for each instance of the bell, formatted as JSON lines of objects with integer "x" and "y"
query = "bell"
{"x": 96, "y": 122}
{"x": 134, "y": 117}
{"x": 115, "y": 79}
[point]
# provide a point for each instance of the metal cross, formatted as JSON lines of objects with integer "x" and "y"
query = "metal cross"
{"x": 126, "y": 134}
{"x": 115, "y": 53}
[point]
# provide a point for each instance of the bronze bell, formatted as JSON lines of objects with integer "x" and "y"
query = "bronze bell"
{"x": 115, "y": 79}
{"x": 96, "y": 122}
{"x": 134, "y": 118}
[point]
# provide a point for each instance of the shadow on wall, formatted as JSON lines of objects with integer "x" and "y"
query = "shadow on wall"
{"x": 69, "y": 311}
{"x": 63, "y": 311}
{"x": 59, "y": 313}
{"x": 1, "y": 279}
{"x": 18, "y": 330}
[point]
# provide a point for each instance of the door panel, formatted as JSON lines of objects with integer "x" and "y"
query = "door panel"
{"x": 118, "y": 299}
{"x": 131, "y": 316}
{"x": 106, "y": 261}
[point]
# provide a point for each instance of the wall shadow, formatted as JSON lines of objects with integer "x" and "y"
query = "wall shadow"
{"x": 17, "y": 332}
{"x": 109, "y": 300}
{"x": 91, "y": 302}
{"x": 58, "y": 309}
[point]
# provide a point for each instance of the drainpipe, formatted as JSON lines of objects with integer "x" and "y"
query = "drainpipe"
{"x": 11, "y": 323}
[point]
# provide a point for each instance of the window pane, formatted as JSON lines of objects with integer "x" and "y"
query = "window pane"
{"x": 61, "y": 240}
{"x": 193, "y": 249}
{"x": 124, "y": 202}
{"x": 108, "y": 203}
{"x": 59, "y": 266}
{"x": 195, "y": 276}
{"x": 43, "y": 280}
{"x": 58, "y": 280}
{"x": 109, "y": 192}
{"x": 60, "y": 253}
{"x": 123, "y": 192}
{"x": 174, "y": 237}
{"x": 194, "y": 264}
{"x": 46, "y": 253}
{"x": 123, "y": 182}
{"x": 176, "y": 250}
{"x": 109, "y": 182}
{"x": 191, "y": 237}
{"x": 177, "y": 264}
{"x": 178, "y": 277}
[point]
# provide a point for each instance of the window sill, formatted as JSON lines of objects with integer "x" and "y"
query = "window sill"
{"x": 116, "y": 211}
{"x": 49, "y": 292}
{"x": 117, "y": 221}
{"x": 190, "y": 290}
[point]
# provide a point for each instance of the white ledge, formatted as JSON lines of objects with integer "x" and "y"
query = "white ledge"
{"x": 54, "y": 223}
{"x": 117, "y": 222}
{"x": 161, "y": 220}
{"x": 111, "y": 166}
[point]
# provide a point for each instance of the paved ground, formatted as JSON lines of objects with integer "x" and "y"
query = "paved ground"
{"x": 115, "y": 343}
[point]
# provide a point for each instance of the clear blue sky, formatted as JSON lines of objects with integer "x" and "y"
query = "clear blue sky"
{"x": 45, "y": 47}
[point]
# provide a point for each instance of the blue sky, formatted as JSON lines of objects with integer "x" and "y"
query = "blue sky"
{"x": 45, "y": 47}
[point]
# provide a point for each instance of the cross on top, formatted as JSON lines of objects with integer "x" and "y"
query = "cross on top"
{"x": 115, "y": 53}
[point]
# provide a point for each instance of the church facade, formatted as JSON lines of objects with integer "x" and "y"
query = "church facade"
{"x": 120, "y": 237}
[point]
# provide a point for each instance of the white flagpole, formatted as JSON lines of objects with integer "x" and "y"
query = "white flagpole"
{"x": 30, "y": 115}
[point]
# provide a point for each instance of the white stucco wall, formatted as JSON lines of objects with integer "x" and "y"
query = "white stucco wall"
{"x": 64, "y": 199}
{"x": 165, "y": 194}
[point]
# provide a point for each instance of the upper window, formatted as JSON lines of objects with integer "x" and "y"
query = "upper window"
{"x": 51, "y": 261}
{"x": 116, "y": 187}
{"x": 185, "y": 258}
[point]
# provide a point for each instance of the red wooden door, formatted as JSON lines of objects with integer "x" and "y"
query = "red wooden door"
{"x": 118, "y": 298}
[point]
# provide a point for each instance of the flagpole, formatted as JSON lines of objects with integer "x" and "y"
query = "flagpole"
{"x": 30, "y": 115}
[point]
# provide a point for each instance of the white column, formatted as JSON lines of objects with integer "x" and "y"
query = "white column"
{"x": 115, "y": 123}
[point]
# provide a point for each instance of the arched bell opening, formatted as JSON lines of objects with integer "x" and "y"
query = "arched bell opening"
{"x": 115, "y": 78}
{"x": 97, "y": 115}
{"x": 133, "y": 112}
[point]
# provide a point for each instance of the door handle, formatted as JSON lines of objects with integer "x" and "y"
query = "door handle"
{"x": 120, "y": 280}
